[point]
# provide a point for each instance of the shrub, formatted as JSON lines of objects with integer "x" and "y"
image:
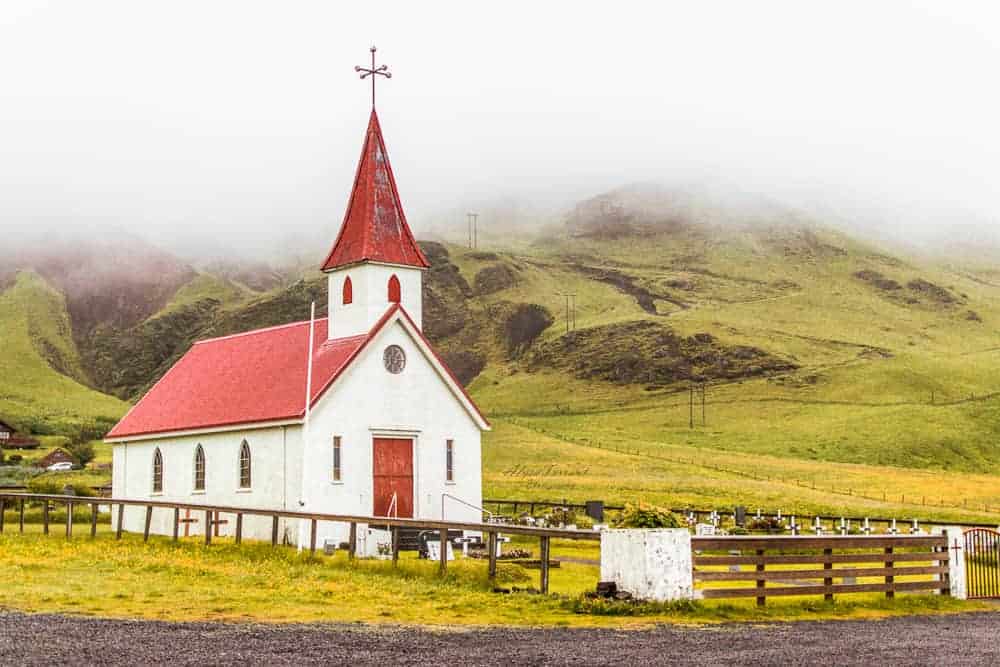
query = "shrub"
{"x": 53, "y": 486}
{"x": 560, "y": 515}
{"x": 15, "y": 459}
{"x": 766, "y": 523}
{"x": 83, "y": 452}
{"x": 647, "y": 516}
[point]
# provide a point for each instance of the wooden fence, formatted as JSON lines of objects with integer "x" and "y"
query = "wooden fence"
{"x": 492, "y": 531}
{"x": 873, "y": 558}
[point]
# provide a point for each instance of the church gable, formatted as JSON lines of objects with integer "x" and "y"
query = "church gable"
{"x": 398, "y": 361}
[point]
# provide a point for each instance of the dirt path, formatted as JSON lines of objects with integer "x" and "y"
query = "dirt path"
{"x": 968, "y": 639}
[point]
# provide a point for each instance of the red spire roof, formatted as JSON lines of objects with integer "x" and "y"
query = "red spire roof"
{"x": 374, "y": 227}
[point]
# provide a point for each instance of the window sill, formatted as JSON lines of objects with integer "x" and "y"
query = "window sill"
{"x": 337, "y": 483}
{"x": 156, "y": 494}
{"x": 198, "y": 493}
{"x": 451, "y": 483}
{"x": 244, "y": 490}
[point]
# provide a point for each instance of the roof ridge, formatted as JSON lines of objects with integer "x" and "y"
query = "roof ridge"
{"x": 254, "y": 332}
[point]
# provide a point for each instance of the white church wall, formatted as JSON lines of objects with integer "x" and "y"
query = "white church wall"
{"x": 369, "y": 402}
{"x": 275, "y": 477}
{"x": 370, "y": 288}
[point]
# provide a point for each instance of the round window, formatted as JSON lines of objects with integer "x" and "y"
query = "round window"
{"x": 394, "y": 359}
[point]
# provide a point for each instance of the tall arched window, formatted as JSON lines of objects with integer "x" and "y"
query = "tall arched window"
{"x": 157, "y": 471}
{"x": 244, "y": 465}
{"x": 394, "y": 290}
{"x": 199, "y": 468}
{"x": 348, "y": 291}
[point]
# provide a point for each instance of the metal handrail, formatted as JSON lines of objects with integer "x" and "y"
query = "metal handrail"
{"x": 467, "y": 504}
{"x": 393, "y": 510}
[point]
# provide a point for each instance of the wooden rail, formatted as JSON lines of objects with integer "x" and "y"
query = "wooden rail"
{"x": 881, "y": 552}
{"x": 544, "y": 535}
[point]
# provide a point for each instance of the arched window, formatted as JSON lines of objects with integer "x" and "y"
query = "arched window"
{"x": 157, "y": 471}
{"x": 348, "y": 291}
{"x": 244, "y": 465}
{"x": 394, "y": 290}
{"x": 199, "y": 468}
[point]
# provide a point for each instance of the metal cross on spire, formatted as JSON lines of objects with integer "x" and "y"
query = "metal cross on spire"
{"x": 381, "y": 70}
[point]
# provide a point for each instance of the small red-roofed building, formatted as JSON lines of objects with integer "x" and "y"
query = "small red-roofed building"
{"x": 386, "y": 429}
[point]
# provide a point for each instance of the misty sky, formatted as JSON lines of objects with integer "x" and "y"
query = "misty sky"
{"x": 234, "y": 125}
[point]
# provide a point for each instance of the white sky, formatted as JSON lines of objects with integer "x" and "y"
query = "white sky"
{"x": 235, "y": 124}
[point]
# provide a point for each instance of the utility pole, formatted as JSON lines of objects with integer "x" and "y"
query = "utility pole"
{"x": 473, "y": 219}
{"x": 703, "y": 422}
{"x": 691, "y": 408}
{"x": 570, "y": 310}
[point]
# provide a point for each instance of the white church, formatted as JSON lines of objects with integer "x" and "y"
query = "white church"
{"x": 388, "y": 430}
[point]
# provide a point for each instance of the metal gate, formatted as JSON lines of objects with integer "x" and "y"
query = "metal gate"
{"x": 982, "y": 563}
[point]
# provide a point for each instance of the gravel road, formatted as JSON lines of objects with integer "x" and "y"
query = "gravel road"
{"x": 969, "y": 639}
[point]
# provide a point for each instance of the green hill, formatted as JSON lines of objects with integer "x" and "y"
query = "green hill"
{"x": 41, "y": 389}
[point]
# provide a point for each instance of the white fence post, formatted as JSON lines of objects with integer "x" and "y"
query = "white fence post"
{"x": 956, "y": 562}
{"x": 651, "y": 564}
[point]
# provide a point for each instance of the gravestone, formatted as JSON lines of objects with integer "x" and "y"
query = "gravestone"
{"x": 741, "y": 516}
{"x": 434, "y": 550}
{"x": 704, "y": 530}
{"x": 595, "y": 510}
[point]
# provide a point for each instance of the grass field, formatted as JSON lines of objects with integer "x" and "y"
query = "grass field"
{"x": 187, "y": 581}
{"x": 894, "y": 409}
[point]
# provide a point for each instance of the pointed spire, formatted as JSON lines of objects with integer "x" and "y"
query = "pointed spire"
{"x": 374, "y": 227}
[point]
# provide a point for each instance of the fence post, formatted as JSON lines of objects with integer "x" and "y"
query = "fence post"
{"x": 149, "y": 519}
{"x": 312, "y": 538}
{"x": 69, "y": 519}
{"x": 93, "y": 519}
{"x": 828, "y": 565}
{"x": 491, "y": 546}
{"x": 3, "y": 510}
{"x": 20, "y": 515}
{"x": 958, "y": 586}
{"x": 395, "y": 545}
{"x": 45, "y": 516}
{"x": 274, "y": 530}
{"x": 177, "y": 523}
{"x": 239, "y": 528}
{"x": 889, "y": 579}
{"x": 208, "y": 527}
{"x": 761, "y": 598}
{"x": 443, "y": 562}
{"x": 352, "y": 541}
{"x": 544, "y": 549}
{"x": 121, "y": 520}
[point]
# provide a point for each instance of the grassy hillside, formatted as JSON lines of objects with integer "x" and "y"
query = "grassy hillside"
{"x": 894, "y": 382}
{"x": 36, "y": 340}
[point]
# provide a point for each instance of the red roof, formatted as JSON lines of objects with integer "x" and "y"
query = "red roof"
{"x": 259, "y": 376}
{"x": 248, "y": 378}
{"x": 374, "y": 227}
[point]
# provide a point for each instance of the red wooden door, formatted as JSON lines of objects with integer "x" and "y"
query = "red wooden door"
{"x": 393, "y": 475}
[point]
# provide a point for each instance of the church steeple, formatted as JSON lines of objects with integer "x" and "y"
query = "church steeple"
{"x": 374, "y": 227}
{"x": 375, "y": 261}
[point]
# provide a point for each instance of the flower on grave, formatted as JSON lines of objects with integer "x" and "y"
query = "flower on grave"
{"x": 384, "y": 548}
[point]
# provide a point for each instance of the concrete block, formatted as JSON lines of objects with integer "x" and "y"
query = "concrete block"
{"x": 651, "y": 564}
